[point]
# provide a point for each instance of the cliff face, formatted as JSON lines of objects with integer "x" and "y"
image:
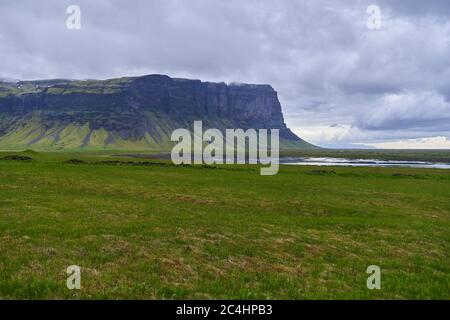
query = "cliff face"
{"x": 139, "y": 112}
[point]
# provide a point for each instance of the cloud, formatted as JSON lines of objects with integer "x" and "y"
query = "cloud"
{"x": 420, "y": 110}
{"x": 327, "y": 67}
{"x": 423, "y": 143}
{"x": 418, "y": 7}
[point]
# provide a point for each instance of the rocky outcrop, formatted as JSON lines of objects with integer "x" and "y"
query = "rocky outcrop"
{"x": 137, "y": 110}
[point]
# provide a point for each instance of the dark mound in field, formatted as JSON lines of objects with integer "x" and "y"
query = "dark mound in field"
{"x": 18, "y": 158}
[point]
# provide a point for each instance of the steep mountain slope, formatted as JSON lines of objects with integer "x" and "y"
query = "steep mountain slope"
{"x": 134, "y": 112}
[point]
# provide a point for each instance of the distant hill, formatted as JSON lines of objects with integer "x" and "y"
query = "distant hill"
{"x": 131, "y": 113}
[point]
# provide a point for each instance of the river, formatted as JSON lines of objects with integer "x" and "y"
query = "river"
{"x": 324, "y": 161}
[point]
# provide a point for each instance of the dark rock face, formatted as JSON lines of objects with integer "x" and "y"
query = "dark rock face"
{"x": 131, "y": 107}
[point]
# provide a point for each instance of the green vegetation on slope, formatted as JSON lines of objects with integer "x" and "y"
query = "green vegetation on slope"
{"x": 154, "y": 230}
{"x": 78, "y": 137}
{"x": 33, "y": 134}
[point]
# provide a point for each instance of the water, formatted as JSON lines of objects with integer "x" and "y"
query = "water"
{"x": 323, "y": 161}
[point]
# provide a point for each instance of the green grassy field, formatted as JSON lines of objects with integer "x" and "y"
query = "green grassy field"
{"x": 156, "y": 231}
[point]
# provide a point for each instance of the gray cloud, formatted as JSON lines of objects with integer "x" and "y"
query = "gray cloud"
{"x": 328, "y": 68}
{"x": 416, "y": 8}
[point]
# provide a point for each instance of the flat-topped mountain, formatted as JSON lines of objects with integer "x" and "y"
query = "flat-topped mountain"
{"x": 131, "y": 112}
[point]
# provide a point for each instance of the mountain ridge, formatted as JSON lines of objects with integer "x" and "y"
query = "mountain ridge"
{"x": 131, "y": 112}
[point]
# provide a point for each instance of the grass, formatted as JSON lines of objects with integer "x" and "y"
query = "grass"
{"x": 158, "y": 231}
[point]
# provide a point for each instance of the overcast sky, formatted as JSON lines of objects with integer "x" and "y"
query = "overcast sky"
{"x": 339, "y": 82}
